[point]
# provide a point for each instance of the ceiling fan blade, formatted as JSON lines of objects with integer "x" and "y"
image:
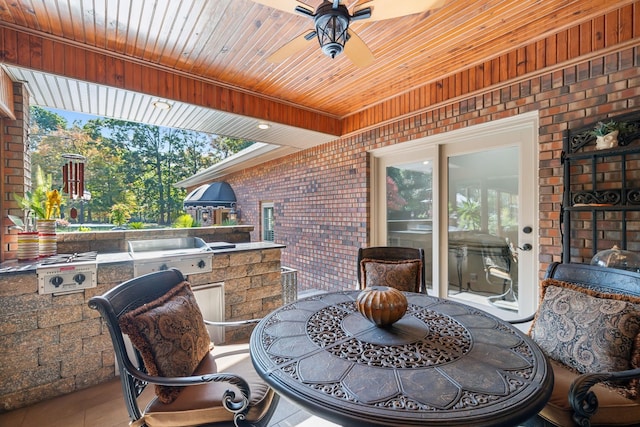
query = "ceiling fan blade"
{"x": 357, "y": 51}
{"x": 285, "y": 5}
{"x": 292, "y": 47}
{"x": 387, "y": 9}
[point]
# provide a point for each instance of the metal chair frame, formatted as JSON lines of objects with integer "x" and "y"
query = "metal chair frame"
{"x": 136, "y": 292}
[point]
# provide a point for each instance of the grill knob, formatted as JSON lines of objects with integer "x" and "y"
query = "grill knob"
{"x": 56, "y": 281}
{"x": 79, "y": 278}
{"x": 201, "y": 263}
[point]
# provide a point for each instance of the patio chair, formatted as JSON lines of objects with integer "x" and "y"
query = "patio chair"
{"x": 195, "y": 384}
{"x": 588, "y": 324}
{"x": 398, "y": 267}
{"x": 499, "y": 266}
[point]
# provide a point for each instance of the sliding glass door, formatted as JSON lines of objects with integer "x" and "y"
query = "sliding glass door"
{"x": 469, "y": 199}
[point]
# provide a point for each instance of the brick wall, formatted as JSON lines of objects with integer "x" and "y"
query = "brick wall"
{"x": 321, "y": 195}
{"x": 16, "y": 167}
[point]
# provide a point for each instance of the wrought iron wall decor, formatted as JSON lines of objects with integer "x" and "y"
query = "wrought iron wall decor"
{"x": 601, "y": 190}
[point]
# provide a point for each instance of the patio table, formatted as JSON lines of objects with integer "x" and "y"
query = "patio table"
{"x": 442, "y": 364}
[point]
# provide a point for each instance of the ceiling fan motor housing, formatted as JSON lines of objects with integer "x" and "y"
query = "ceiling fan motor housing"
{"x": 331, "y": 25}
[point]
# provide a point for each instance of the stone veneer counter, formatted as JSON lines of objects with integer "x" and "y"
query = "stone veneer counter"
{"x": 55, "y": 344}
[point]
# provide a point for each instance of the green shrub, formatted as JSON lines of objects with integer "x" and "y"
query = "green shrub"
{"x": 120, "y": 214}
{"x": 183, "y": 221}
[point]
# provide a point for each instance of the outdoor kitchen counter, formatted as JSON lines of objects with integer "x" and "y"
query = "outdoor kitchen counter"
{"x": 14, "y": 266}
{"x": 55, "y": 344}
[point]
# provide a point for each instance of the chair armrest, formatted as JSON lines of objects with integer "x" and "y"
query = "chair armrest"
{"x": 235, "y": 323}
{"x": 529, "y": 318}
{"x": 238, "y": 408}
{"x": 499, "y": 272}
{"x": 584, "y": 401}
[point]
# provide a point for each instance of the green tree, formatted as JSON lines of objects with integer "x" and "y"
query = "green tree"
{"x": 42, "y": 123}
{"x": 469, "y": 215}
{"x": 120, "y": 214}
{"x": 128, "y": 163}
{"x": 224, "y": 146}
{"x": 411, "y": 187}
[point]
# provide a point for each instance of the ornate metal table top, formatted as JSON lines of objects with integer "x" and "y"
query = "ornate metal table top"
{"x": 443, "y": 363}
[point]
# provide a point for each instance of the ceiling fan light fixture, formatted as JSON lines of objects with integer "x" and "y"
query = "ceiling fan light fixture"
{"x": 331, "y": 25}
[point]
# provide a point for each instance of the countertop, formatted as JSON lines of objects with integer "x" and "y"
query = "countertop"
{"x": 15, "y": 266}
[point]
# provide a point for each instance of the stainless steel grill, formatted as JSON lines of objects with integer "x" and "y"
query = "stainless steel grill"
{"x": 190, "y": 255}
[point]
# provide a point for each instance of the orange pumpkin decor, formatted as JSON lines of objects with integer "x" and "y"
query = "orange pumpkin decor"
{"x": 382, "y": 305}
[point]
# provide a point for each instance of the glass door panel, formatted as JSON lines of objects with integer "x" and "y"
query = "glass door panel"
{"x": 409, "y": 209}
{"x": 469, "y": 198}
{"x": 483, "y": 212}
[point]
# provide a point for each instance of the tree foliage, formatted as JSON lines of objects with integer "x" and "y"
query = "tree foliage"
{"x": 408, "y": 190}
{"x": 128, "y": 164}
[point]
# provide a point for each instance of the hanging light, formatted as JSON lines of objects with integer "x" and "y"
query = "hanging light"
{"x": 331, "y": 25}
{"x": 73, "y": 175}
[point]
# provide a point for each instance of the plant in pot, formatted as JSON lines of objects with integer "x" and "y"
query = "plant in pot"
{"x": 469, "y": 215}
{"x": 42, "y": 206}
{"x": 606, "y": 134}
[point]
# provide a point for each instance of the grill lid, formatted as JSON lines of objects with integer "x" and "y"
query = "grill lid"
{"x": 145, "y": 249}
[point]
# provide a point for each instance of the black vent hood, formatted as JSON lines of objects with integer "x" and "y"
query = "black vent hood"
{"x": 217, "y": 194}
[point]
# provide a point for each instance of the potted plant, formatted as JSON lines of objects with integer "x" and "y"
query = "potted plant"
{"x": 606, "y": 134}
{"x": 41, "y": 205}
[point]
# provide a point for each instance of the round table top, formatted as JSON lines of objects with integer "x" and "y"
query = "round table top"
{"x": 443, "y": 363}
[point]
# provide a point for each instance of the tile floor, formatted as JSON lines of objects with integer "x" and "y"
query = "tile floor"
{"x": 103, "y": 406}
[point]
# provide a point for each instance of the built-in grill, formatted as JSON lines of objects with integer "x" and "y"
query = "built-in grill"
{"x": 190, "y": 255}
{"x": 67, "y": 273}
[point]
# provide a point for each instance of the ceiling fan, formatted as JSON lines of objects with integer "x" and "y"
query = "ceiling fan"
{"x": 331, "y": 24}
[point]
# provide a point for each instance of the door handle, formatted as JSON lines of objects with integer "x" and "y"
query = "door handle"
{"x": 525, "y": 247}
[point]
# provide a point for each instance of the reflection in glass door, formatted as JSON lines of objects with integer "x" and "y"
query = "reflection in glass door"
{"x": 410, "y": 209}
{"x": 483, "y": 217}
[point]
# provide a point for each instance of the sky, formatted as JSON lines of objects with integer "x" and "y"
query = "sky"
{"x": 72, "y": 116}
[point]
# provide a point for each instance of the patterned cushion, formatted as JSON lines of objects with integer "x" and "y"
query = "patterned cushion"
{"x": 405, "y": 275}
{"x": 588, "y": 331}
{"x": 171, "y": 336}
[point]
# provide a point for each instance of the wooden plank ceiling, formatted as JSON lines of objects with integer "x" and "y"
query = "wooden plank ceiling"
{"x": 228, "y": 42}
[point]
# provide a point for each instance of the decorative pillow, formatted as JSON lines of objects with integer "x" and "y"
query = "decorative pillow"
{"x": 171, "y": 336}
{"x": 587, "y": 330}
{"x": 405, "y": 275}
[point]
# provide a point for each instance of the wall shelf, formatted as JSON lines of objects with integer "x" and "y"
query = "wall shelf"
{"x": 601, "y": 200}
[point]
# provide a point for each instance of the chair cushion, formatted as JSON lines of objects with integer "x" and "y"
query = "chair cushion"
{"x": 586, "y": 330}
{"x": 201, "y": 404}
{"x": 171, "y": 336}
{"x": 613, "y": 408}
{"x": 404, "y": 275}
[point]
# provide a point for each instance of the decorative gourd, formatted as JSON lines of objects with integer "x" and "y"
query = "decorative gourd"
{"x": 382, "y": 305}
